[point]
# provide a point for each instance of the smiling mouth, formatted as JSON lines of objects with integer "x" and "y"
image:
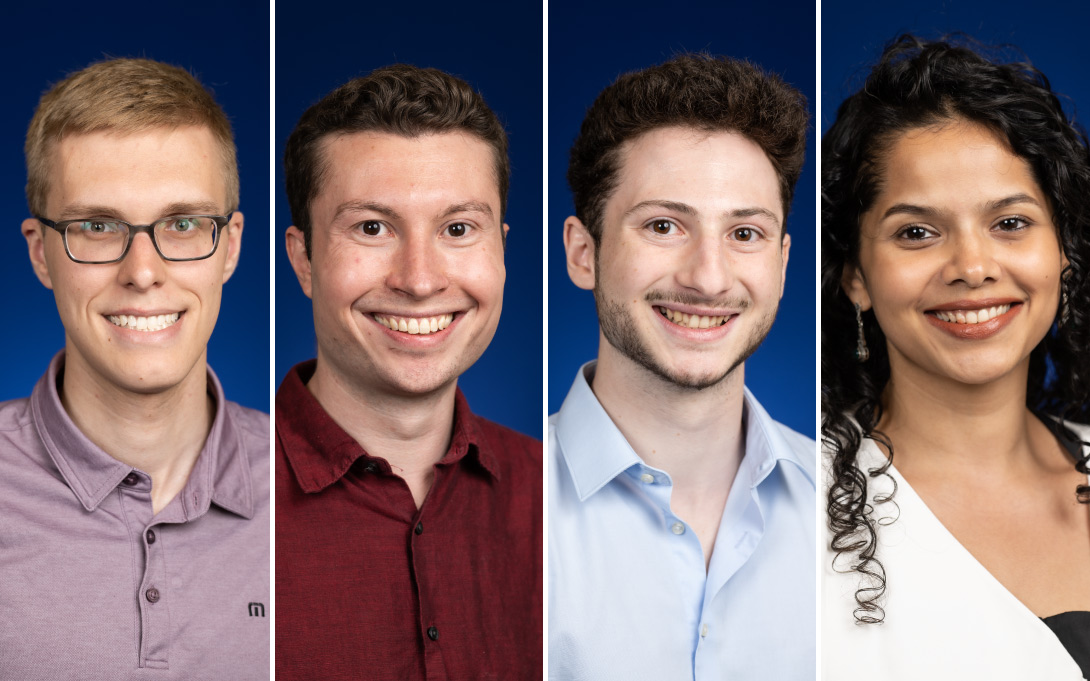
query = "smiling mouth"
{"x": 152, "y": 323}
{"x": 415, "y": 326}
{"x": 693, "y": 321}
{"x": 972, "y": 316}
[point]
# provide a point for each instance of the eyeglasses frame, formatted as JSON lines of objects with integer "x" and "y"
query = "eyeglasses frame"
{"x": 61, "y": 227}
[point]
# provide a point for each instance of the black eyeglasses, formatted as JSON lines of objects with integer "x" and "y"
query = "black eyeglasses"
{"x": 177, "y": 238}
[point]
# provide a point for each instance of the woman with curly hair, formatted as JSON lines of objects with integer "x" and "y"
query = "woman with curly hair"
{"x": 955, "y": 373}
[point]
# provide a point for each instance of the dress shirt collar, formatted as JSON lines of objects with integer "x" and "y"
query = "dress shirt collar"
{"x": 321, "y": 452}
{"x": 596, "y": 452}
{"x": 221, "y": 473}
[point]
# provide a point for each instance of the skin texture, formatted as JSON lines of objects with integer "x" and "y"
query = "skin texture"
{"x": 955, "y": 406}
{"x": 403, "y": 227}
{"x": 695, "y": 225}
{"x": 155, "y": 380}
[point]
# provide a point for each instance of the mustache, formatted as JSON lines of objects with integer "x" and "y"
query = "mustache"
{"x": 684, "y": 298}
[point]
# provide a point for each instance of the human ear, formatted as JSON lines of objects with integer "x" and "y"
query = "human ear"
{"x": 785, "y": 248}
{"x": 234, "y": 245}
{"x": 579, "y": 248}
{"x": 35, "y": 241}
{"x": 297, "y": 254}
{"x": 854, "y": 285}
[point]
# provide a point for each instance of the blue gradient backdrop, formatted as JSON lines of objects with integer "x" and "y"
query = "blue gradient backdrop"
{"x": 226, "y": 45}
{"x": 590, "y": 44}
{"x": 1051, "y": 34}
{"x": 321, "y": 45}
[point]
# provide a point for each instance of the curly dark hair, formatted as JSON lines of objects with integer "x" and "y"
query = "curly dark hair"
{"x": 692, "y": 90}
{"x": 401, "y": 100}
{"x": 918, "y": 84}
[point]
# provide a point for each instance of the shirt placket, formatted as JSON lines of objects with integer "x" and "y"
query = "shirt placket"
{"x": 434, "y": 667}
{"x": 152, "y": 588}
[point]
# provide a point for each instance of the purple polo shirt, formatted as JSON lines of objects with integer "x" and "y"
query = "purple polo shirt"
{"x": 93, "y": 587}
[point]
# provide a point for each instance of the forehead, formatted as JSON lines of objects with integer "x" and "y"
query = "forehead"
{"x": 422, "y": 172}
{"x": 138, "y": 170}
{"x": 955, "y": 164}
{"x": 715, "y": 172}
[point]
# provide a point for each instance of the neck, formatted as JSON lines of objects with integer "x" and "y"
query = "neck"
{"x": 161, "y": 433}
{"x": 936, "y": 423}
{"x": 673, "y": 428}
{"x": 411, "y": 432}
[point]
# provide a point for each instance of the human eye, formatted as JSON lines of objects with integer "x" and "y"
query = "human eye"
{"x": 745, "y": 235}
{"x": 101, "y": 228}
{"x": 914, "y": 233}
{"x": 458, "y": 229}
{"x": 1013, "y": 223}
{"x": 183, "y": 224}
{"x": 663, "y": 227}
{"x": 373, "y": 228}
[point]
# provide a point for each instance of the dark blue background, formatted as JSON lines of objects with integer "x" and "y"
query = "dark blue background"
{"x": 321, "y": 45}
{"x": 1052, "y": 34}
{"x": 226, "y": 45}
{"x": 589, "y": 46}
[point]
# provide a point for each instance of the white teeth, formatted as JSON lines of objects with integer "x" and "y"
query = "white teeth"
{"x": 416, "y": 326}
{"x": 691, "y": 321}
{"x": 973, "y": 316}
{"x": 153, "y": 323}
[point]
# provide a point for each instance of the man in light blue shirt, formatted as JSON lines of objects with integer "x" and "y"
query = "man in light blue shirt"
{"x": 681, "y": 516}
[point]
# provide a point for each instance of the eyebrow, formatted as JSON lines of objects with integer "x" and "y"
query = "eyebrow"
{"x": 81, "y": 210}
{"x": 686, "y": 209}
{"x": 930, "y": 213}
{"x": 361, "y": 206}
{"x": 390, "y": 212}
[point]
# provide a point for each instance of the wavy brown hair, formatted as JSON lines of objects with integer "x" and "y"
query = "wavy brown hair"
{"x": 918, "y": 84}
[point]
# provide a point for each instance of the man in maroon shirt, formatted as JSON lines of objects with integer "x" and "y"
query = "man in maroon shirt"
{"x": 408, "y": 538}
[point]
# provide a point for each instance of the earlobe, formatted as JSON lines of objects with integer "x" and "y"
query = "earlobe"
{"x": 295, "y": 243}
{"x": 33, "y": 232}
{"x": 234, "y": 245}
{"x": 854, "y": 285}
{"x": 579, "y": 247}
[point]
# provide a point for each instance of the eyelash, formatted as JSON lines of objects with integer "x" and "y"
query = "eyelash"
{"x": 1023, "y": 223}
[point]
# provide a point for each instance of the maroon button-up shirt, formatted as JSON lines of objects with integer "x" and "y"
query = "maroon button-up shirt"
{"x": 369, "y": 587}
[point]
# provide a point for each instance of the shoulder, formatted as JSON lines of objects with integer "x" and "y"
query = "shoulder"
{"x": 252, "y": 422}
{"x": 511, "y": 448}
{"x": 15, "y": 414}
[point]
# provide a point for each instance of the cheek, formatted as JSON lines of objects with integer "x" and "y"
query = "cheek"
{"x": 480, "y": 273}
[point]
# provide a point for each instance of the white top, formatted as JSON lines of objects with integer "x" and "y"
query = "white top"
{"x": 946, "y": 616}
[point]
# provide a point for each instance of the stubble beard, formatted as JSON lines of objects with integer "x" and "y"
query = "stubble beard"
{"x": 620, "y": 330}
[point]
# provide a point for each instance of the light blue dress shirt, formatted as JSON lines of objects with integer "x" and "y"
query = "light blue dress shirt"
{"x": 629, "y": 598}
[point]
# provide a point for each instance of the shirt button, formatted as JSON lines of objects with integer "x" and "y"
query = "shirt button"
{"x": 647, "y": 478}
{"x": 371, "y": 467}
{"x": 152, "y": 595}
{"x": 677, "y": 528}
{"x": 433, "y": 633}
{"x": 704, "y": 631}
{"x": 151, "y": 536}
{"x": 419, "y": 528}
{"x": 130, "y": 479}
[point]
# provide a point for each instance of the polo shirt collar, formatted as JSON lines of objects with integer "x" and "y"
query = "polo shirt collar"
{"x": 320, "y": 452}
{"x": 596, "y": 451}
{"x": 221, "y": 473}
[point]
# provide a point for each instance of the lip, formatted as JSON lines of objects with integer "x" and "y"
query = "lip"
{"x": 980, "y": 331}
{"x": 698, "y": 335}
{"x": 415, "y": 340}
{"x": 138, "y": 337}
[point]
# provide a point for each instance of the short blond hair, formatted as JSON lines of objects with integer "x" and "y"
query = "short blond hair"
{"x": 123, "y": 96}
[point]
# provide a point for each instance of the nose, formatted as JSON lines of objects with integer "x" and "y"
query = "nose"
{"x": 417, "y": 269}
{"x": 142, "y": 267}
{"x": 707, "y": 267}
{"x": 971, "y": 260}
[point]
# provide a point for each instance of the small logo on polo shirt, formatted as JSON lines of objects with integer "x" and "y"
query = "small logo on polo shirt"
{"x": 256, "y": 609}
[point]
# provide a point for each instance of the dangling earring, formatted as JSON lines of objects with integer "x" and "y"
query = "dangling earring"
{"x": 862, "y": 354}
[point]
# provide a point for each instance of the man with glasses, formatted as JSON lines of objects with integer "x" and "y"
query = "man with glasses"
{"x": 134, "y": 512}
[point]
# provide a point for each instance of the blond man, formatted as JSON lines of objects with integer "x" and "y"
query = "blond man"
{"x": 134, "y": 495}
